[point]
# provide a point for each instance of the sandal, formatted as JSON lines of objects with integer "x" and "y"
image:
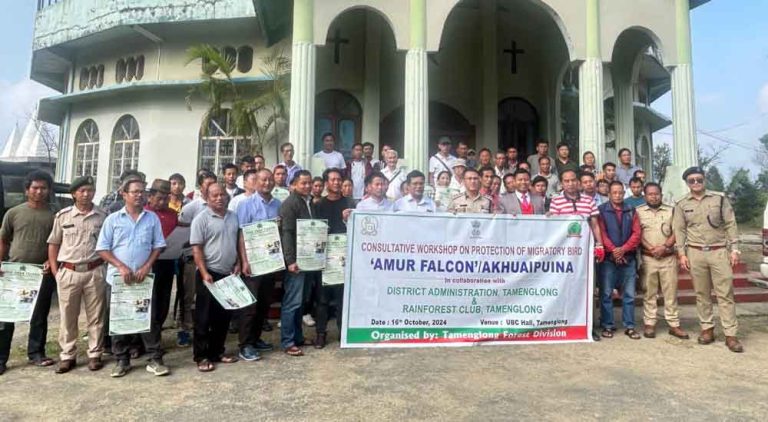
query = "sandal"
{"x": 631, "y": 333}
{"x": 41, "y": 361}
{"x": 205, "y": 366}
{"x": 607, "y": 333}
{"x": 228, "y": 359}
{"x": 294, "y": 351}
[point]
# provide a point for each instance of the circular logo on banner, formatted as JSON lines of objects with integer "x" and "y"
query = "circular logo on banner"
{"x": 574, "y": 229}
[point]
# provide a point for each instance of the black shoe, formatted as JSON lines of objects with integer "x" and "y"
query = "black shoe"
{"x": 267, "y": 326}
{"x": 263, "y": 346}
{"x": 2, "y": 368}
{"x": 595, "y": 335}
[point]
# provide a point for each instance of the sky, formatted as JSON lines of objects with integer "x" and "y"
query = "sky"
{"x": 730, "y": 54}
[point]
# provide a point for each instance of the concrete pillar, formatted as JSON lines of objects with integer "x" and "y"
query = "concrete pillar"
{"x": 623, "y": 105}
{"x": 591, "y": 114}
{"x": 302, "y": 122}
{"x": 685, "y": 150}
{"x": 685, "y": 146}
{"x": 372, "y": 89}
{"x": 489, "y": 130}
{"x": 417, "y": 91}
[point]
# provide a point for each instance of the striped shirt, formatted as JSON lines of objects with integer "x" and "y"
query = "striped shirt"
{"x": 582, "y": 205}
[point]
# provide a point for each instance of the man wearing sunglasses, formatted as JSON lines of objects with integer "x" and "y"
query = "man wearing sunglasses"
{"x": 704, "y": 225}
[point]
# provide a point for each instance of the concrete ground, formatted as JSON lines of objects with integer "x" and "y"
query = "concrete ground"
{"x": 660, "y": 379}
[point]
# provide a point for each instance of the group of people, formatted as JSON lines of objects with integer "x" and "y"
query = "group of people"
{"x": 196, "y": 238}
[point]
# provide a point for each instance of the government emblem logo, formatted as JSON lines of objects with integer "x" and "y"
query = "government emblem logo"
{"x": 369, "y": 226}
{"x": 475, "y": 229}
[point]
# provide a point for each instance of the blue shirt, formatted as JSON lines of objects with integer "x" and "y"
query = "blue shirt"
{"x": 130, "y": 241}
{"x": 256, "y": 208}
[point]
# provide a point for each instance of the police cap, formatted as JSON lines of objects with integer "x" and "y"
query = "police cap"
{"x": 80, "y": 182}
{"x": 693, "y": 170}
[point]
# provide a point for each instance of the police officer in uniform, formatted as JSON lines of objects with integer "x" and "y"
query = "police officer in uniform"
{"x": 659, "y": 267}
{"x": 79, "y": 273}
{"x": 705, "y": 229}
{"x": 470, "y": 201}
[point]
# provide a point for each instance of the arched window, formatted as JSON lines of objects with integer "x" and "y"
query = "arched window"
{"x": 218, "y": 146}
{"x": 86, "y": 149}
{"x": 130, "y": 72}
{"x": 120, "y": 69}
{"x": 230, "y": 55}
{"x": 139, "y": 67}
{"x": 339, "y": 113}
{"x": 93, "y": 75}
{"x": 244, "y": 59}
{"x": 125, "y": 147}
{"x": 83, "y": 79}
{"x": 100, "y": 76}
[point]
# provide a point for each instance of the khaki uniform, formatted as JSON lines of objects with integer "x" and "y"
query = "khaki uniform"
{"x": 76, "y": 234}
{"x": 661, "y": 272}
{"x": 707, "y": 230}
{"x": 462, "y": 203}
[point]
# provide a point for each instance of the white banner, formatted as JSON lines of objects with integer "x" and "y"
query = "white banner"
{"x": 417, "y": 280}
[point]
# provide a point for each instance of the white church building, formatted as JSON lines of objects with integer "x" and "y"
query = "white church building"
{"x": 493, "y": 73}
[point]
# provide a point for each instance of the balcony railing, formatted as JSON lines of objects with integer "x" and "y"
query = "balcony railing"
{"x": 42, "y": 4}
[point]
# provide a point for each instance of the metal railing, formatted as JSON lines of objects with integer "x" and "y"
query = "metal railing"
{"x": 42, "y": 4}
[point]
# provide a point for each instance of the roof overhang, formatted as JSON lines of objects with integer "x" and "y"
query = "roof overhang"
{"x": 697, "y": 3}
{"x": 657, "y": 77}
{"x": 275, "y": 19}
{"x": 53, "y": 109}
{"x": 655, "y": 120}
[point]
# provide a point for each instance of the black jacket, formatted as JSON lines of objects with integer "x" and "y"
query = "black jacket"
{"x": 293, "y": 208}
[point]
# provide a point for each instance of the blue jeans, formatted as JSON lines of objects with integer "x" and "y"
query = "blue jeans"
{"x": 613, "y": 276}
{"x": 291, "y": 332}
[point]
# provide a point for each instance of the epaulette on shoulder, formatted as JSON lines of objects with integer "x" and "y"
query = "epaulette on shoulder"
{"x": 64, "y": 211}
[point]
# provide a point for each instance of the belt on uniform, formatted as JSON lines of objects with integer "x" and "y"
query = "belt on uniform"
{"x": 649, "y": 254}
{"x": 706, "y": 248}
{"x": 81, "y": 268}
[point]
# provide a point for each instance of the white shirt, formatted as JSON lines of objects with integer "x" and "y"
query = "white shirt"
{"x": 234, "y": 202}
{"x": 370, "y": 204}
{"x": 408, "y": 203}
{"x": 396, "y": 178}
{"x": 520, "y": 196}
{"x": 232, "y": 191}
{"x": 436, "y": 165}
{"x": 333, "y": 159}
{"x": 455, "y": 184}
{"x": 358, "y": 178}
{"x": 238, "y": 182}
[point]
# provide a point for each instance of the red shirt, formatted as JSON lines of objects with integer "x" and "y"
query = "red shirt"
{"x": 169, "y": 219}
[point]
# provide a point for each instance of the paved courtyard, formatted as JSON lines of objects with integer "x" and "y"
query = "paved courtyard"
{"x": 661, "y": 379}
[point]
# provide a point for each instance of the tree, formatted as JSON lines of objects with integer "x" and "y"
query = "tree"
{"x": 748, "y": 201}
{"x": 260, "y": 115}
{"x": 715, "y": 179}
{"x": 662, "y": 158}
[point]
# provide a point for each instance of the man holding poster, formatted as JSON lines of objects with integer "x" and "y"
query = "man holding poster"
{"x": 335, "y": 209}
{"x": 130, "y": 241}
{"x": 261, "y": 206}
{"x": 23, "y": 238}
{"x": 213, "y": 237}
{"x": 298, "y": 206}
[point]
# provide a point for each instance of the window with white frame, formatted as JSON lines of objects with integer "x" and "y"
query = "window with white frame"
{"x": 125, "y": 147}
{"x": 87, "y": 150}
{"x": 218, "y": 147}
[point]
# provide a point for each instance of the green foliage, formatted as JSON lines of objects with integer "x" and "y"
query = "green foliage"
{"x": 662, "y": 158}
{"x": 715, "y": 179}
{"x": 748, "y": 202}
{"x": 260, "y": 113}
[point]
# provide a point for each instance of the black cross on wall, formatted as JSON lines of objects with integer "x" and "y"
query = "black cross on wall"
{"x": 337, "y": 42}
{"x": 514, "y": 51}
